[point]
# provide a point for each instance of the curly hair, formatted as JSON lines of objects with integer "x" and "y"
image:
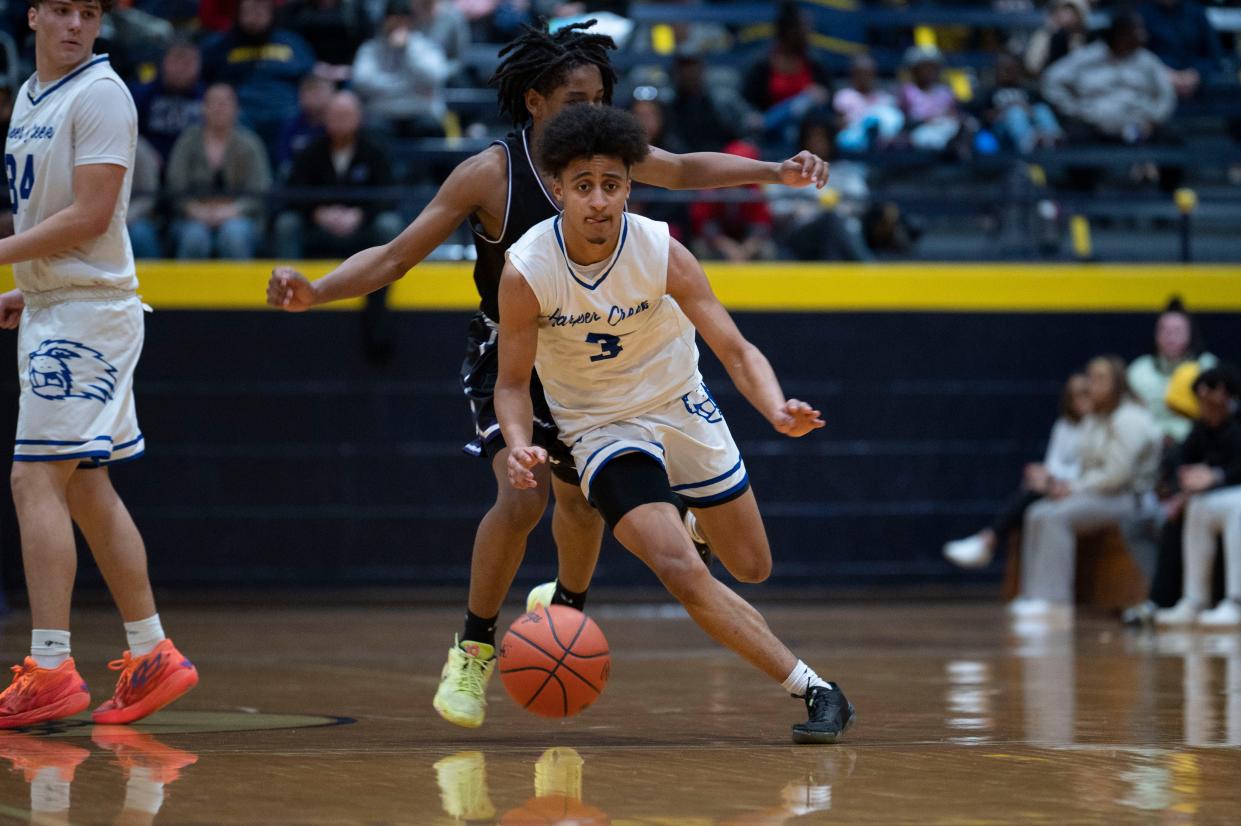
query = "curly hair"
{"x": 539, "y": 60}
{"x": 583, "y": 131}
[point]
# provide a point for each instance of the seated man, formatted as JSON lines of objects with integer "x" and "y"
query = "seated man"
{"x": 1210, "y": 480}
{"x": 337, "y": 224}
{"x": 606, "y": 305}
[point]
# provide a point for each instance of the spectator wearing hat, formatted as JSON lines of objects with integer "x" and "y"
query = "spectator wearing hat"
{"x": 1210, "y": 495}
{"x": 930, "y": 107}
{"x": 400, "y": 74}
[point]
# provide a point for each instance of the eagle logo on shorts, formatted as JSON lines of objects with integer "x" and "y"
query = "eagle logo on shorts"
{"x": 702, "y": 403}
{"x": 63, "y": 369}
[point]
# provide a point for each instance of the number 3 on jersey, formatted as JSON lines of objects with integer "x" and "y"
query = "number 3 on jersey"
{"x": 27, "y": 182}
{"x": 609, "y": 344}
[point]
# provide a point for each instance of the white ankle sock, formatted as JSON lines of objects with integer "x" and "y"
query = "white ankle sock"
{"x": 801, "y": 678}
{"x": 144, "y": 635}
{"x": 143, "y": 793}
{"x": 49, "y": 647}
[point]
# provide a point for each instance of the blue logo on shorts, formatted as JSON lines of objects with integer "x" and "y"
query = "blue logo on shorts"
{"x": 62, "y": 369}
{"x": 701, "y": 403}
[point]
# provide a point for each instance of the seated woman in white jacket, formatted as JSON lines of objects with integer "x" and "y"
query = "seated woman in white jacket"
{"x": 1061, "y": 463}
{"x": 1119, "y": 456}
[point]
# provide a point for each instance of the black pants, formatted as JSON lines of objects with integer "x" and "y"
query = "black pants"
{"x": 1010, "y": 517}
{"x": 1168, "y": 582}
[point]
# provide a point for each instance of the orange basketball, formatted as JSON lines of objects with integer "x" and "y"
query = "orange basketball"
{"x": 554, "y": 661}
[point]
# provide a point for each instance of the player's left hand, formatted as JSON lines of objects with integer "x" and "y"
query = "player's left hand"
{"x": 803, "y": 169}
{"x": 521, "y": 464}
{"x": 11, "y": 305}
{"x": 796, "y": 418}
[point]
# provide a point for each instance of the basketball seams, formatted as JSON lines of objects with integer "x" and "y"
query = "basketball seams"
{"x": 559, "y": 662}
{"x": 551, "y": 625}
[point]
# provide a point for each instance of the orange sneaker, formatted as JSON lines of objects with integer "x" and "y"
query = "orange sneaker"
{"x": 38, "y": 695}
{"x": 30, "y": 755}
{"x": 134, "y": 749}
{"x": 147, "y": 684}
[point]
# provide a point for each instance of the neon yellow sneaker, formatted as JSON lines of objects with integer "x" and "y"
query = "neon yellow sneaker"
{"x": 462, "y": 778}
{"x": 462, "y": 695}
{"x": 540, "y": 595}
{"x": 559, "y": 772}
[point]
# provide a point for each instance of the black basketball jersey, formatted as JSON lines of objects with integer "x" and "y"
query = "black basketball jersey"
{"x": 529, "y": 202}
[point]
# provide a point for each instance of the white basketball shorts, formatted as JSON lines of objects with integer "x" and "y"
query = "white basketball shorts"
{"x": 76, "y": 363}
{"x": 688, "y": 436}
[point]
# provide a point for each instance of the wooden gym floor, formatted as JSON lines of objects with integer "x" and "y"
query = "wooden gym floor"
{"x": 323, "y": 715}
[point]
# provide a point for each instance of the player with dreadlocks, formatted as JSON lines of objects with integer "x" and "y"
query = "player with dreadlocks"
{"x": 502, "y": 193}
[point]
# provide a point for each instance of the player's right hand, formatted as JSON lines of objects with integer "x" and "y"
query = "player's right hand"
{"x": 521, "y": 464}
{"x": 289, "y": 290}
{"x": 11, "y": 305}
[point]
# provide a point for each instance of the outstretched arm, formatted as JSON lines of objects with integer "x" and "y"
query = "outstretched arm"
{"x": 746, "y": 365}
{"x": 714, "y": 170}
{"x": 519, "y": 330}
{"x": 463, "y": 193}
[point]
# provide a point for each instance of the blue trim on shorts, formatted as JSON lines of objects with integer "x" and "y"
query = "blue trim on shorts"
{"x": 711, "y": 481}
{"x": 130, "y": 443}
{"x": 719, "y": 498}
{"x": 57, "y": 443}
{"x": 621, "y": 452}
{"x": 59, "y": 457}
{"x": 121, "y": 461}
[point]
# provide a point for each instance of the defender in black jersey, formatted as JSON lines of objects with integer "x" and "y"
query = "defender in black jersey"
{"x": 498, "y": 191}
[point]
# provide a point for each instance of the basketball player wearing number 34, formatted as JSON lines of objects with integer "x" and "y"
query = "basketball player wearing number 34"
{"x": 68, "y": 157}
{"x": 604, "y": 304}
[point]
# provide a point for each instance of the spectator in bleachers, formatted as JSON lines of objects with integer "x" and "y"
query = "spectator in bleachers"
{"x": 313, "y": 95}
{"x": 1177, "y": 342}
{"x": 1066, "y": 29}
{"x": 1061, "y": 463}
{"x": 332, "y": 224}
{"x": 650, "y": 113}
{"x": 788, "y": 82}
{"x": 931, "y": 114}
{"x": 822, "y": 225}
{"x": 1113, "y": 89}
{"x": 334, "y": 29}
{"x": 1210, "y": 482}
{"x": 172, "y": 102}
{"x": 133, "y": 40}
{"x": 1180, "y": 35}
{"x": 446, "y": 26}
{"x": 869, "y": 115}
{"x": 701, "y": 117}
{"x": 1119, "y": 458}
{"x": 263, "y": 63}
{"x": 732, "y": 231}
{"x": 1020, "y": 120}
{"x": 142, "y": 219}
{"x": 217, "y": 176}
{"x": 217, "y": 15}
{"x": 400, "y": 75}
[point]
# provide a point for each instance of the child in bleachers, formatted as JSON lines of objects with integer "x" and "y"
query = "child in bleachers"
{"x": 930, "y": 108}
{"x": 869, "y": 114}
{"x": 1019, "y": 118}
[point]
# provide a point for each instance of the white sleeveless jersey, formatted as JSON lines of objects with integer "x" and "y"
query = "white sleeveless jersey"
{"x": 85, "y": 117}
{"x": 614, "y": 345}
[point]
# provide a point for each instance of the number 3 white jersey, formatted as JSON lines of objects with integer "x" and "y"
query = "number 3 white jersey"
{"x": 612, "y": 345}
{"x": 85, "y": 117}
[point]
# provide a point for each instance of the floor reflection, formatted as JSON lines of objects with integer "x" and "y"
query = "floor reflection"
{"x": 50, "y": 766}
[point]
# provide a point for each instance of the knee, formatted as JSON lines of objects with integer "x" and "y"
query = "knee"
{"x": 520, "y": 510}
{"x": 577, "y": 510}
{"x": 683, "y": 575}
{"x": 752, "y": 571}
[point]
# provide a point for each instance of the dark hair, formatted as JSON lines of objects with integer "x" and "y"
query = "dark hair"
{"x": 1225, "y": 374}
{"x": 1124, "y": 21}
{"x": 1067, "y": 411}
{"x": 583, "y": 131}
{"x": 104, "y": 5}
{"x": 1197, "y": 344}
{"x": 539, "y": 60}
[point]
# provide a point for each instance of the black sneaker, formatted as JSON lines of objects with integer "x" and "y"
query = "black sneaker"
{"x": 695, "y": 536}
{"x": 830, "y": 714}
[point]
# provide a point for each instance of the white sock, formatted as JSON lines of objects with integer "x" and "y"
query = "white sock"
{"x": 801, "y": 678}
{"x": 49, "y": 647}
{"x": 143, "y": 793}
{"x": 144, "y": 635}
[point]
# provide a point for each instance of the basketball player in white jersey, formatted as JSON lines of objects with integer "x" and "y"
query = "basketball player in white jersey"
{"x": 604, "y": 304}
{"x": 68, "y": 158}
